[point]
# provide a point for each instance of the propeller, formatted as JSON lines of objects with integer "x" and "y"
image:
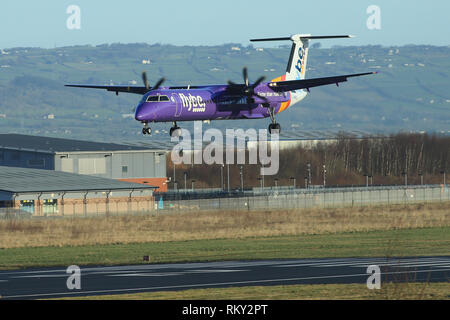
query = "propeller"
{"x": 247, "y": 89}
{"x": 145, "y": 80}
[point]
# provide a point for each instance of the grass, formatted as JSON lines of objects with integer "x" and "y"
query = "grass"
{"x": 400, "y": 230}
{"x": 415, "y": 291}
{"x": 187, "y": 226}
{"x": 401, "y": 242}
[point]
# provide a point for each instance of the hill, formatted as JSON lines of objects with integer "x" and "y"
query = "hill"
{"x": 409, "y": 94}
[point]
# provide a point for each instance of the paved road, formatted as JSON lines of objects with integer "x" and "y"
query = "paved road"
{"x": 52, "y": 282}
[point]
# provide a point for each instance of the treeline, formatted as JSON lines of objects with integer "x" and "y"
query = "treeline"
{"x": 386, "y": 160}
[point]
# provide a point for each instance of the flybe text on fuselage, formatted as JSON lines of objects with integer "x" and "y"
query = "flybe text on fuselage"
{"x": 193, "y": 103}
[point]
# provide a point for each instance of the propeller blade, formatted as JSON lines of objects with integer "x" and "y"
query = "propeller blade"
{"x": 261, "y": 79}
{"x": 144, "y": 78}
{"x": 158, "y": 84}
{"x": 245, "y": 74}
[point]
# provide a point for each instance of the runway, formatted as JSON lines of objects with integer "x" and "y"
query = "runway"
{"x": 52, "y": 282}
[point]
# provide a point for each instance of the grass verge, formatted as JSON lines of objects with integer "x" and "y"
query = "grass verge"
{"x": 404, "y": 291}
{"x": 401, "y": 242}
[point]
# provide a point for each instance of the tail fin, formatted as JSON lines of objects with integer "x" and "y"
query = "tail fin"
{"x": 296, "y": 67}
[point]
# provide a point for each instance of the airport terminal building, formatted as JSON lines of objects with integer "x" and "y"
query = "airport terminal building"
{"x": 106, "y": 160}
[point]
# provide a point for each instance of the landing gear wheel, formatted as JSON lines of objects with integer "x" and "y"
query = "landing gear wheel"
{"x": 274, "y": 128}
{"x": 146, "y": 131}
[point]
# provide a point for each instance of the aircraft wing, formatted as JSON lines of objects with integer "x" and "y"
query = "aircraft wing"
{"x": 290, "y": 85}
{"x": 116, "y": 89}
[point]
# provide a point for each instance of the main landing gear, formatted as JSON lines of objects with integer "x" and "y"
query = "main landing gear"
{"x": 175, "y": 131}
{"x": 274, "y": 127}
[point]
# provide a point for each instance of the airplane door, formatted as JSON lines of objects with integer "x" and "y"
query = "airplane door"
{"x": 178, "y": 105}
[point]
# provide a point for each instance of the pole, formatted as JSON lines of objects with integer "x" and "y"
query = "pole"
{"x": 324, "y": 176}
{"x": 228, "y": 177}
{"x": 221, "y": 177}
{"x": 309, "y": 174}
{"x": 174, "y": 180}
{"x": 262, "y": 176}
{"x": 242, "y": 178}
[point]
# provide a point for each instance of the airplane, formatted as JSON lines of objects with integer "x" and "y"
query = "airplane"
{"x": 232, "y": 101}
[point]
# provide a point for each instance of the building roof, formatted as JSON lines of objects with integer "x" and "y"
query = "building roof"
{"x": 53, "y": 145}
{"x": 24, "y": 180}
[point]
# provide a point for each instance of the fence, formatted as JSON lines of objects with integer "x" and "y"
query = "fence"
{"x": 308, "y": 198}
{"x": 257, "y": 199}
{"x": 81, "y": 208}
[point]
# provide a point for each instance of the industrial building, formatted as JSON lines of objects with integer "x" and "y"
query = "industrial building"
{"x": 48, "y": 192}
{"x": 107, "y": 160}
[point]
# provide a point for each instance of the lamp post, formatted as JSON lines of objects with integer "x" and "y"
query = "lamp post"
{"x": 309, "y": 173}
{"x": 443, "y": 173}
{"x": 174, "y": 179}
{"x": 185, "y": 174}
{"x": 261, "y": 182}
{"x": 262, "y": 176}
{"x": 228, "y": 177}
{"x": 242, "y": 178}
{"x": 221, "y": 177}
{"x": 324, "y": 176}
{"x": 192, "y": 186}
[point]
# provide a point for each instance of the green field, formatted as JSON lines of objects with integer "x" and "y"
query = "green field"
{"x": 403, "y": 242}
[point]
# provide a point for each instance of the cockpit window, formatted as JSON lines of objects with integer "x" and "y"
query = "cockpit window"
{"x": 157, "y": 98}
{"x": 152, "y": 99}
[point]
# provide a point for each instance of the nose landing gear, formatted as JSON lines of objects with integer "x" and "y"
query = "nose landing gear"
{"x": 146, "y": 129}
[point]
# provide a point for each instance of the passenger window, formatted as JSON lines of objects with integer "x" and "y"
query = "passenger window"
{"x": 163, "y": 98}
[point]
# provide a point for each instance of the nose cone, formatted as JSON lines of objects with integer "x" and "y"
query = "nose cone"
{"x": 140, "y": 113}
{"x": 145, "y": 112}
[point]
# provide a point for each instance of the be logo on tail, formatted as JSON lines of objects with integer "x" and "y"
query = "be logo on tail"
{"x": 300, "y": 61}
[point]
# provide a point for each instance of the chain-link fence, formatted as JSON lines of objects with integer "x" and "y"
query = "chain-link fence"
{"x": 256, "y": 199}
{"x": 308, "y": 198}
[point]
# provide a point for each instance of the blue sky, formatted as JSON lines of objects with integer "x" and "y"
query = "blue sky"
{"x": 30, "y": 23}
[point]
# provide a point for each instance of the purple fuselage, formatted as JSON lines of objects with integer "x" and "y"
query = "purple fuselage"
{"x": 207, "y": 103}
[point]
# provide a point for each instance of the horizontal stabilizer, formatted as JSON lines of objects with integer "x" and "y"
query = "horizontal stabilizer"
{"x": 303, "y": 36}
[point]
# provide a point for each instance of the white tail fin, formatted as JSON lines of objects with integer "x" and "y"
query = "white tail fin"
{"x": 296, "y": 67}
